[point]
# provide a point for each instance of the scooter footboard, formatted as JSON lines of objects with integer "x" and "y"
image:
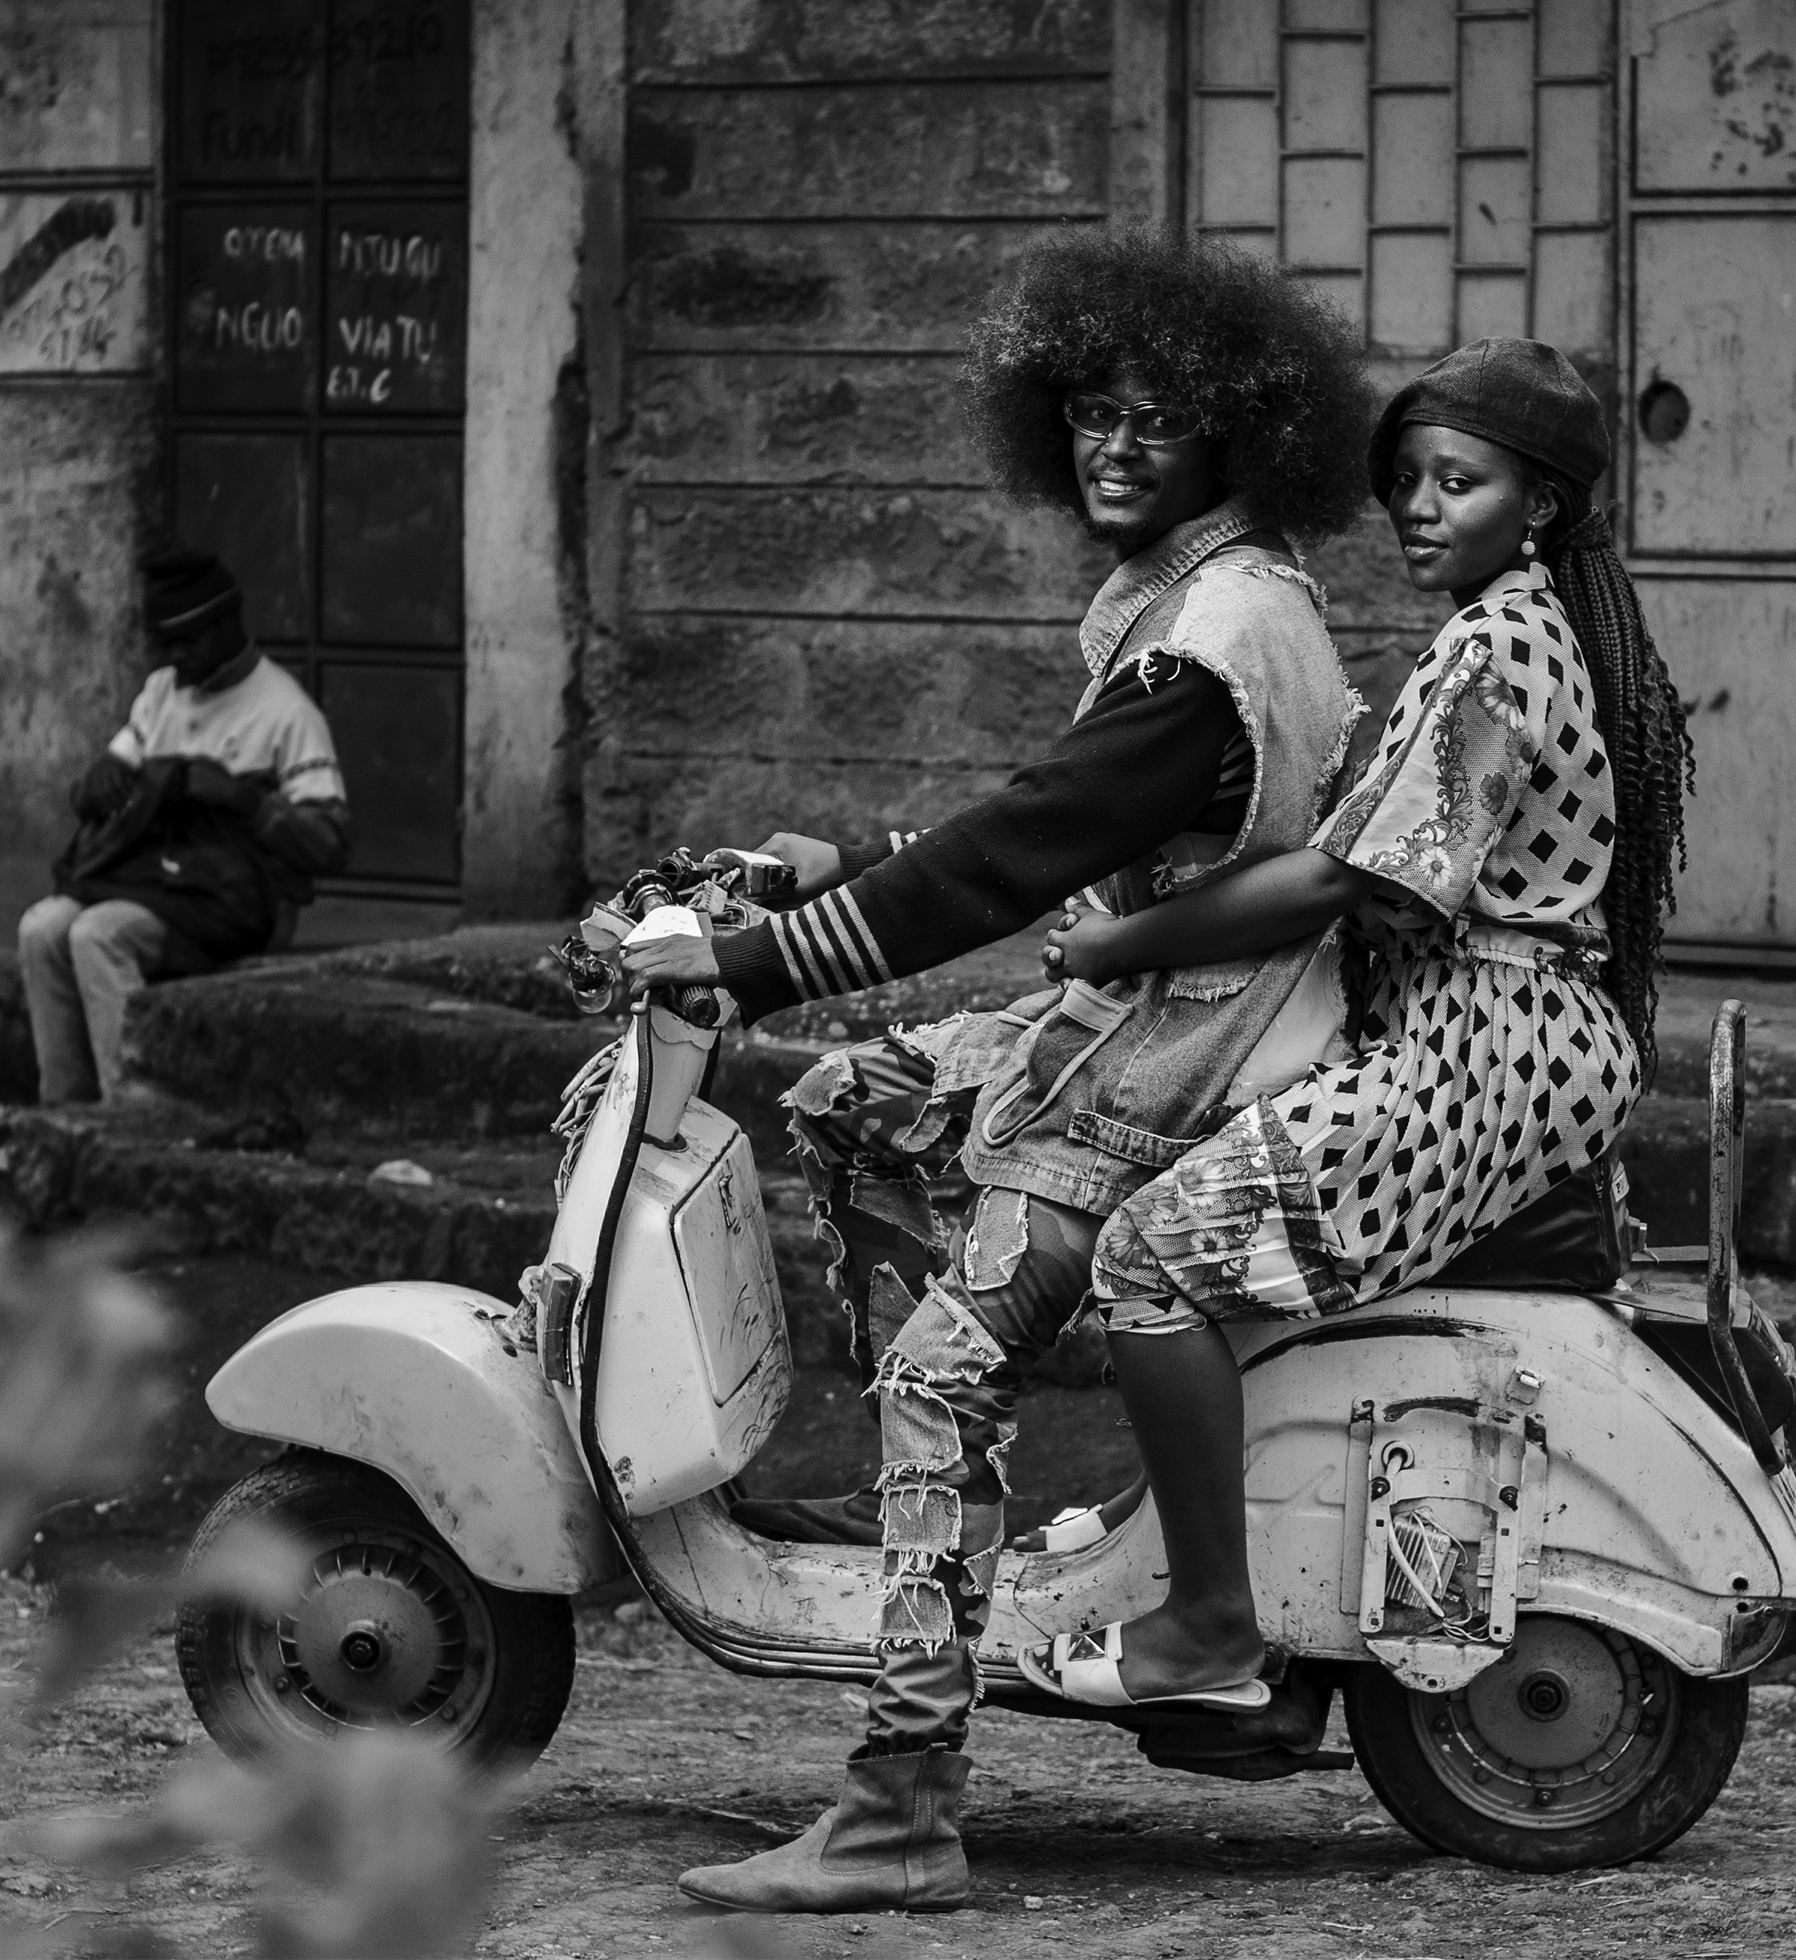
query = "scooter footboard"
{"x": 418, "y": 1380}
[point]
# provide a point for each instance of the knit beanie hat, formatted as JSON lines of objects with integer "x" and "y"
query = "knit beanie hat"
{"x": 1522, "y": 394}
{"x": 185, "y": 591}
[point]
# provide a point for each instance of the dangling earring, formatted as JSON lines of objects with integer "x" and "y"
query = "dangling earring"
{"x": 1528, "y": 545}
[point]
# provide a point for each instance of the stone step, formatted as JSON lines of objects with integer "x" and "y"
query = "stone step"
{"x": 356, "y": 1054}
{"x": 485, "y": 1215}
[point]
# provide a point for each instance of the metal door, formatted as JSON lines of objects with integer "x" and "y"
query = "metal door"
{"x": 318, "y": 324}
{"x": 1710, "y": 446}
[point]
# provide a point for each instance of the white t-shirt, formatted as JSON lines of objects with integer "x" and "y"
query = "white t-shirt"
{"x": 266, "y": 722}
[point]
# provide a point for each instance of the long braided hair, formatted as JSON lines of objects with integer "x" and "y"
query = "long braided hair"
{"x": 1651, "y": 761}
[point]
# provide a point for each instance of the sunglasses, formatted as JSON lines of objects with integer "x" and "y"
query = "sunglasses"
{"x": 1155, "y": 425}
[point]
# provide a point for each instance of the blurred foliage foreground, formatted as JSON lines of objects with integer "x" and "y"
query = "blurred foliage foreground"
{"x": 373, "y": 1843}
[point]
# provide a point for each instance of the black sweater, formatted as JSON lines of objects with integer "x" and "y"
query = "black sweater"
{"x": 1161, "y": 751}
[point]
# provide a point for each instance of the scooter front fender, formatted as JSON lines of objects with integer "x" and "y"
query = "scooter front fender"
{"x": 417, "y": 1379}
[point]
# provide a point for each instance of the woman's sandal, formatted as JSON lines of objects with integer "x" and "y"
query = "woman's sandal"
{"x": 1087, "y": 1667}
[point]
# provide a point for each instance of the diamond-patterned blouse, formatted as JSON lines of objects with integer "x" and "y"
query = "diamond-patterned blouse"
{"x": 1491, "y": 794}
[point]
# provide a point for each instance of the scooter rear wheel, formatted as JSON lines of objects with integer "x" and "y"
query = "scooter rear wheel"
{"x": 389, "y": 1629}
{"x": 1579, "y": 1748}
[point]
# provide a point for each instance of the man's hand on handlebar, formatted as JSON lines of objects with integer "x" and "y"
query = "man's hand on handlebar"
{"x": 1082, "y": 946}
{"x": 678, "y": 960}
{"x": 819, "y": 865}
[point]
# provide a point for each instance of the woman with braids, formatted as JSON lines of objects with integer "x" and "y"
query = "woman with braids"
{"x": 1195, "y": 409}
{"x": 1505, "y": 861}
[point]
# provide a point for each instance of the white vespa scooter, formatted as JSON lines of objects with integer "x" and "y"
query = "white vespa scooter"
{"x": 1537, "y": 1538}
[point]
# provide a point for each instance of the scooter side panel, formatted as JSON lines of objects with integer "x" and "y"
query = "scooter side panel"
{"x": 1656, "y": 1519}
{"x": 407, "y": 1377}
{"x": 694, "y": 1368}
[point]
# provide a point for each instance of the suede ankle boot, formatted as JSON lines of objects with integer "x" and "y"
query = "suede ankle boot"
{"x": 892, "y": 1840}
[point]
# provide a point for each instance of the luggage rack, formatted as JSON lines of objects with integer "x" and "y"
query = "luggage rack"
{"x": 1718, "y": 1300}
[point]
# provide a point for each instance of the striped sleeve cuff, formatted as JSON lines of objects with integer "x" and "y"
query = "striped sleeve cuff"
{"x": 828, "y": 946}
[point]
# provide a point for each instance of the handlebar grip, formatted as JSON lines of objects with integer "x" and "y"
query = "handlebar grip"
{"x": 696, "y": 1004}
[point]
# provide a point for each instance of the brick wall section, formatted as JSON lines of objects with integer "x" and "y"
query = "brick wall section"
{"x": 829, "y": 622}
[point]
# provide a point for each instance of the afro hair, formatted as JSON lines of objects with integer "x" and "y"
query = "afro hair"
{"x": 1276, "y": 374}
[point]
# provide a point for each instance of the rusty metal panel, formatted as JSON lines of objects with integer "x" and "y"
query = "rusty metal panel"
{"x": 1713, "y": 319}
{"x": 398, "y": 736}
{"x": 250, "y": 90}
{"x": 247, "y": 323}
{"x": 1731, "y": 646}
{"x": 769, "y": 287}
{"x": 992, "y": 149}
{"x": 396, "y": 298}
{"x": 935, "y": 553}
{"x": 391, "y": 543}
{"x": 398, "y": 90}
{"x": 784, "y": 418}
{"x": 248, "y": 497}
{"x": 1715, "y": 108}
{"x": 823, "y": 40}
{"x": 74, "y": 282}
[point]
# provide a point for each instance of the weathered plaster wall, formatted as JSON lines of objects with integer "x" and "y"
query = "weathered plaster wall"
{"x": 78, "y": 493}
{"x": 525, "y": 436}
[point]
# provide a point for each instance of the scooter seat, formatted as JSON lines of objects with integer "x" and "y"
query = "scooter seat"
{"x": 1574, "y": 1240}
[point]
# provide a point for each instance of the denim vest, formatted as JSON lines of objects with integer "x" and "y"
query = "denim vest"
{"x": 1089, "y": 1092}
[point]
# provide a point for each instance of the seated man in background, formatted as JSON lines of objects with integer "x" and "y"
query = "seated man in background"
{"x": 201, "y": 829}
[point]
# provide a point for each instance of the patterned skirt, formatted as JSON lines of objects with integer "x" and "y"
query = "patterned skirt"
{"x": 1482, "y": 1081}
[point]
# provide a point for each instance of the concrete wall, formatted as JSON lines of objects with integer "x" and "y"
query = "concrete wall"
{"x": 523, "y": 542}
{"x": 79, "y": 352}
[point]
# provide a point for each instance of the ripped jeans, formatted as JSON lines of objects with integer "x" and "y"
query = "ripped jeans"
{"x": 947, "y": 1368}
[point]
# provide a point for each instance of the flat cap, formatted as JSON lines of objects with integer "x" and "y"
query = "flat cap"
{"x": 1520, "y": 393}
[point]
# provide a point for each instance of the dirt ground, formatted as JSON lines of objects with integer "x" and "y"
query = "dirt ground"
{"x": 664, "y": 1760}
{"x": 1077, "y": 1846}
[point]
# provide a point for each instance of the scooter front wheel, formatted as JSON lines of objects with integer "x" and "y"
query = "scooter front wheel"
{"x": 1580, "y": 1747}
{"x": 386, "y": 1629}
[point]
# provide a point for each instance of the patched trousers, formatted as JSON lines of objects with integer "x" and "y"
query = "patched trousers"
{"x": 943, "y": 1328}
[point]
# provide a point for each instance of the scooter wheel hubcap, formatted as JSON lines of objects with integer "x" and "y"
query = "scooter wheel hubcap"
{"x": 1571, "y": 1725}
{"x": 386, "y": 1631}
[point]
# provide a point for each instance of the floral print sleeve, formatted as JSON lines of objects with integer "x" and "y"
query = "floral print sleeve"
{"x": 1456, "y": 754}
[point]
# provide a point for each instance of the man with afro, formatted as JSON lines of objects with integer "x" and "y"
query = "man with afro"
{"x": 1197, "y": 411}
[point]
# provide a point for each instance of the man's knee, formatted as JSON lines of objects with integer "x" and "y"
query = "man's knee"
{"x": 115, "y": 932}
{"x": 44, "y": 928}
